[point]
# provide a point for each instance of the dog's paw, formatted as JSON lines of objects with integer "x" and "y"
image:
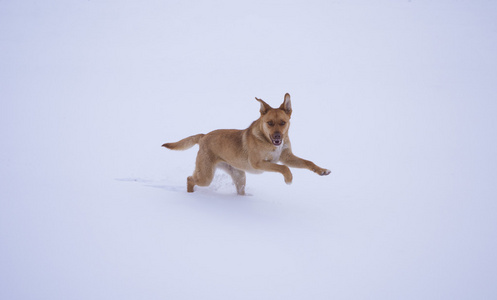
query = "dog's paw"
{"x": 323, "y": 172}
{"x": 288, "y": 178}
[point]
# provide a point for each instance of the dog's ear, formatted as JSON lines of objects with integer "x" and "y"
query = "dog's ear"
{"x": 287, "y": 105}
{"x": 264, "y": 106}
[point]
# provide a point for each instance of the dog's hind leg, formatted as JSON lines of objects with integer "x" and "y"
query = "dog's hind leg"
{"x": 190, "y": 183}
{"x": 205, "y": 167}
{"x": 238, "y": 176}
{"x": 239, "y": 179}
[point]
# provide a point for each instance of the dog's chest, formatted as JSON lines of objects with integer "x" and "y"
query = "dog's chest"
{"x": 274, "y": 156}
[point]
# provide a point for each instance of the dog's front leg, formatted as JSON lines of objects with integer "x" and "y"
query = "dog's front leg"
{"x": 272, "y": 167}
{"x": 289, "y": 159}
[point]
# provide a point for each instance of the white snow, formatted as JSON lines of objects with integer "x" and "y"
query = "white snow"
{"x": 396, "y": 98}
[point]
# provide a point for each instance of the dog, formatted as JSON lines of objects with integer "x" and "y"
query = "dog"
{"x": 255, "y": 149}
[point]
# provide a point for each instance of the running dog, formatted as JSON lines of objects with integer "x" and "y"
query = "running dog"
{"x": 255, "y": 149}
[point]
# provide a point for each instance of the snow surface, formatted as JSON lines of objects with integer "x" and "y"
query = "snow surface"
{"x": 397, "y": 98}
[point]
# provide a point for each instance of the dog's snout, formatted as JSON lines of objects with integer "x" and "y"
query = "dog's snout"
{"x": 276, "y": 138}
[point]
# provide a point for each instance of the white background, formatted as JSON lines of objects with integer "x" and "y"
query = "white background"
{"x": 397, "y": 98}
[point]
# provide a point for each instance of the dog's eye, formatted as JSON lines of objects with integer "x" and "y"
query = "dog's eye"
{"x": 282, "y": 123}
{"x": 270, "y": 123}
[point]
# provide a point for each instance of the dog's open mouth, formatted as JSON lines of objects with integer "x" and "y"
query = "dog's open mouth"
{"x": 276, "y": 140}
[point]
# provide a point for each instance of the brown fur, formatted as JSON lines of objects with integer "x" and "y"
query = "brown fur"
{"x": 255, "y": 149}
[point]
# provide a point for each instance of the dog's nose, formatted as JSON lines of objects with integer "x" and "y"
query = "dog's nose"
{"x": 277, "y": 136}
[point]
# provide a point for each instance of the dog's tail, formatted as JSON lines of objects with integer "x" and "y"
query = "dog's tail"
{"x": 185, "y": 143}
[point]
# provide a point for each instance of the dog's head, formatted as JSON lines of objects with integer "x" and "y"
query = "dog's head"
{"x": 276, "y": 121}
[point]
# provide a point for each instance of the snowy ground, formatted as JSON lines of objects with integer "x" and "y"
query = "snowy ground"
{"x": 397, "y": 98}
